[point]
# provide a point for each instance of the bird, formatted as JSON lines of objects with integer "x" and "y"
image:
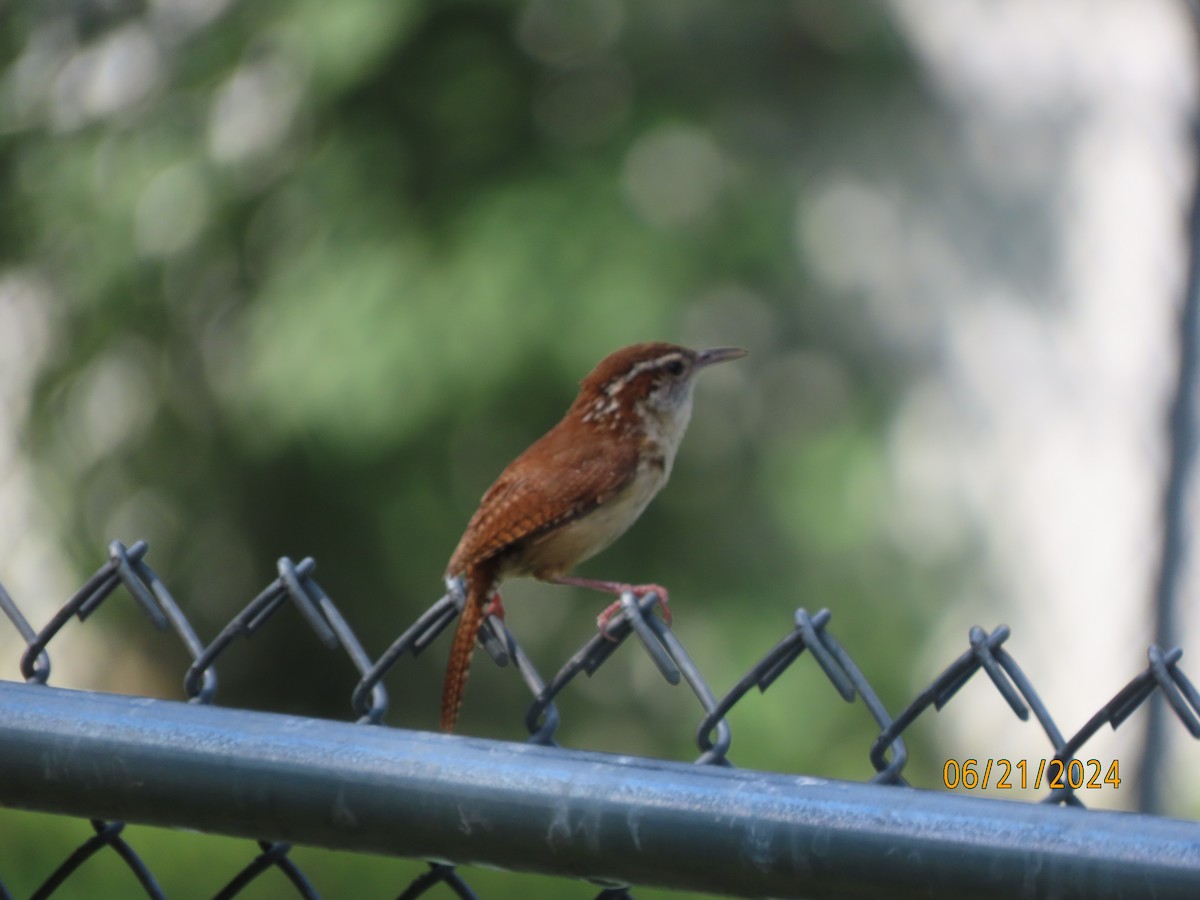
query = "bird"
{"x": 576, "y": 490}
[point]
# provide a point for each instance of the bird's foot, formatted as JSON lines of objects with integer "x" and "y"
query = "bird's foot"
{"x": 638, "y": 590}
{"x": 618, "y": 588}
{"x": 494, "y": 607}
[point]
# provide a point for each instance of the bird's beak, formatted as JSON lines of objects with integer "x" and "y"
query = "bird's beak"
{"x": 718, "y": 355}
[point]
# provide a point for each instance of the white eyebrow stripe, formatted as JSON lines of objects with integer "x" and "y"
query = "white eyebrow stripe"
{"x": 614, "y": 387}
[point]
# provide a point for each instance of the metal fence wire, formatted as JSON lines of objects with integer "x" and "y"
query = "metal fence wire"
{"x": 616, "y": 821}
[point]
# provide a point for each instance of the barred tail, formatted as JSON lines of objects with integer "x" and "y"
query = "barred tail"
{"x": 478, "y": 584}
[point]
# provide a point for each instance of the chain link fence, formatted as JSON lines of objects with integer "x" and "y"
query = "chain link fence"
{"x": 708, "y": 826}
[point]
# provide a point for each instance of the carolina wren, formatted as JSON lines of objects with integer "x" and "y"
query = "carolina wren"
{"x": 578, "y": 488}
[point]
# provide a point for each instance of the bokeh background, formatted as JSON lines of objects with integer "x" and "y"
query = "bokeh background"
{"x": 300, "y": 278}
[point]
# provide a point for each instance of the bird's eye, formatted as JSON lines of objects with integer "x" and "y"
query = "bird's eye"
{"x": 675, "y": 367}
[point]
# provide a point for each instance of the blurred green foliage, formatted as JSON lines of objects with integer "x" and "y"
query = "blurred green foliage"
{"x": 314, "y": 272}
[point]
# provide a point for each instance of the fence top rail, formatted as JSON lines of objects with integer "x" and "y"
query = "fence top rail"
{"x": 616, "y": 819}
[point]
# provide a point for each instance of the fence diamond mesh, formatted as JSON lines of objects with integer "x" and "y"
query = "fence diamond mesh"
{"x": 731, "y": 831}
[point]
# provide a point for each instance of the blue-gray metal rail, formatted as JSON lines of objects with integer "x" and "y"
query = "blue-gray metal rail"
{"x": 563, "y": 812}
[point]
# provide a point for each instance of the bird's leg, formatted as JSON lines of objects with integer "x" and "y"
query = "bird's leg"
{"x": 618, "y": 588}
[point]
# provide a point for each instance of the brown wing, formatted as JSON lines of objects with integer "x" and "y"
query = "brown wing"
{"x": 559, "y": 478}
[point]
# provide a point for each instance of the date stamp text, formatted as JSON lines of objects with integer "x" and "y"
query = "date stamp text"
{"x": 1006, "y": 774}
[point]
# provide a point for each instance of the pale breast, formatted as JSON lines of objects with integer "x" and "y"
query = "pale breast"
{"x": 559, "y": 551}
